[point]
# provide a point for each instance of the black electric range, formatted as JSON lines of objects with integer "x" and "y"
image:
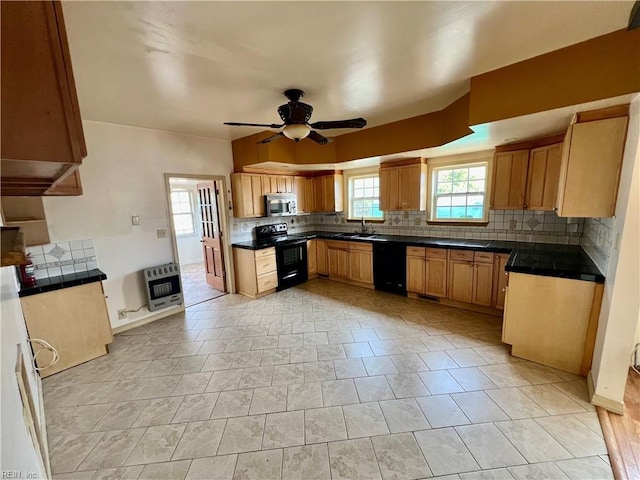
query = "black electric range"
{"x": 291, "y": 253}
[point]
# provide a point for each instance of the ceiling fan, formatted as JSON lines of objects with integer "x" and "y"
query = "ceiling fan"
{"x": 295, "y": 116}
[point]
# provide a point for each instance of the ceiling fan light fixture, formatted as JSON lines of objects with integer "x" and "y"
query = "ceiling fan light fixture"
{"x": 296, "y": 131}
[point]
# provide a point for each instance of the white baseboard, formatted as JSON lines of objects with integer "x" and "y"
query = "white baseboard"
{"x": 151, "y": 318}
{"x": 614, "y": 406}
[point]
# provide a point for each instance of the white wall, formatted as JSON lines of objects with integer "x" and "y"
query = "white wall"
{"x": 17, "y": 452}
{"x": 621, "y": 302}
{"x": 122, "y": 176}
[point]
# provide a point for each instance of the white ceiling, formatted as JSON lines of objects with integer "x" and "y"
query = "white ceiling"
{"x": 190, "y": 66}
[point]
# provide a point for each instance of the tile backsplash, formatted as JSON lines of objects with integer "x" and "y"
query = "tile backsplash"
{"x": 515, "y": 225}
{"x": 62, "y": 258}
{"x": 597, "y": 240}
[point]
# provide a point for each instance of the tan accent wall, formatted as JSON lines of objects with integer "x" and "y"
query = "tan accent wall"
{"x": 602, "y": 67}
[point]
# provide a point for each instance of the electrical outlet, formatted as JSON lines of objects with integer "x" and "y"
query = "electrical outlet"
{"x": 161, "y": 233}
{"x": 122, "y": 314}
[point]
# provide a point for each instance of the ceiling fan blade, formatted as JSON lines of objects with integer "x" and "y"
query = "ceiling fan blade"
{"x": 352, "y": 123}
{"x": 319, "y": 139}
{"x": 271, "y": 138}
{"x": 268, "y": 125}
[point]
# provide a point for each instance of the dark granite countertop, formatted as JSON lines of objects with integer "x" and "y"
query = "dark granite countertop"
{"x": 566, "y": 261}
{"x": 63, "y": 281}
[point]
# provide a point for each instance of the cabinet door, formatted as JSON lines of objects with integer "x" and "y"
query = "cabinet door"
{"x": 312, "y": 257}
{"x": 298, "y": 189}
{"x": 482, "y": 284}
{"x": 409, "y": 187}
{"x": 282, "y": 184}
{"x": 310, "y": 195}
{"x": 416, "y": 274}
{"x": 322, "y": 257}
{"x": 500, "y": 280}
{"x": 338, "y": 262}
{"x": 509, "y": 180}
{"x": 246, "y": 193}
{"x": 318, "y": 192}
{"x": 361, "y": 266}
{"x": 288, "y": 184}
{"x": 436, "y": 277}
{"x": 590, "y": 168}
{"x": 71, "y": 185}
{"x": 257, "y": 197}
{"x": 388, "y": 189}
{"x": 329, "y": 193}
{"x": 461, "y": 280}
{"x": 542, "y": 177}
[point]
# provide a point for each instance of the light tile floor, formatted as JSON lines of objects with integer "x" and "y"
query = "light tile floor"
{"x": 320, "y": 381}
{"x": 194, "y": 285}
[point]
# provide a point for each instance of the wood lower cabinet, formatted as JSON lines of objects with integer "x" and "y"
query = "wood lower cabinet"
{"x": 483, "y": 281}
{"x": 547, "y": 320}
{"x": 256, "y": 272}
{"x": 338, "y": 259}
{"x": 361, "y": 262}
{"x": 461, "y": 280}
{"x": 322, "y": 257}
{"x": 312, "y": 258}
{"x": 500, "y": 279}
{"x": 427, "y": 271}
{"x": 73, "y": 320}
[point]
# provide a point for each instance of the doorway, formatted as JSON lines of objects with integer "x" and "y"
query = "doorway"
{"x": 198, "y": 228}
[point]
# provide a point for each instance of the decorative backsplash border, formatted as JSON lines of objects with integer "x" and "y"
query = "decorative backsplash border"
{"x": 61, "y": 258}
{"x": 513, "y": 225}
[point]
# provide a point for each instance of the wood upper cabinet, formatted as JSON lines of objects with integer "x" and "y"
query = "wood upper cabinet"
{"x": 590, "y": 168}
{"x": 403, "y": 187}
{"x": 500, "y": 279}
{"x": 312, "y": 257}
{"x": 322, "y": 257}
{"x": 248, "y": 196}
{"x": 338, "y": 258}
{"x": 28, "y": 214}
{"x": 509, "y": 180}
{"x": 42, "y": 138}
{"x": 542, "y": 177}
{"x": 68, "y": 186}
{"x": 310, "y": 195}
{"x": 328, "y": 193}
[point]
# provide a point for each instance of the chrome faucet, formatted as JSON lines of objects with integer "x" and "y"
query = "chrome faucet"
{"x": 363, "y": 227}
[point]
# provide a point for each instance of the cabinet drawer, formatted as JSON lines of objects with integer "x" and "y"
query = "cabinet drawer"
{"x": 461, "y": 255}
{"x": 415, "y": 251}
{"x": 267, "y": 281}
{"x": 265, "y": 252}
{"x": 337, "y": 245}
{"x": 483, "y": 257}
{"x": 265, "y": 264}
{"x": 363, "y": 247}
{"x": 436, "y": 253}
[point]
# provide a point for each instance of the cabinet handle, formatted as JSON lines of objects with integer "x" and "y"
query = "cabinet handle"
{"x": 555, "y": 209}
{"x": 504, "y": 289}
{"x": 524, "y": 207}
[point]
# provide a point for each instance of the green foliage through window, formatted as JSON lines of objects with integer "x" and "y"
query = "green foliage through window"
{"x": 460, "y": 192}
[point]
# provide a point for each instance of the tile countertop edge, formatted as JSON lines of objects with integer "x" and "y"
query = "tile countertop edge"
{"x": 584, "y": 270}
{"x": 51, "y": 284}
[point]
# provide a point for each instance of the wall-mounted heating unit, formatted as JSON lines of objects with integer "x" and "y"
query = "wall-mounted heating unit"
{"x": 163, "y": 286}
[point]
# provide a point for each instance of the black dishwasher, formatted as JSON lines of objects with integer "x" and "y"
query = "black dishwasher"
{"x": 390, "y": 267}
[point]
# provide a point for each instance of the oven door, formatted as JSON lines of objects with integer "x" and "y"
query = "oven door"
{"x": 291, "y": 262}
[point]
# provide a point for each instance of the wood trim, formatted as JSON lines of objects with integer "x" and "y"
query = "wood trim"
{"x": 402, "y": 161}
{"x": 613, "y": 449}
{"x": 531, "y": 144}
{"x": 602, "y": 113}
{"x": 370, "y": 286}
{"x": 592, "y": 330}
{"x": 151, "y": 318}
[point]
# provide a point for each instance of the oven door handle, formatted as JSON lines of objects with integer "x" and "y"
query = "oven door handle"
{"x": 291, "y": 275}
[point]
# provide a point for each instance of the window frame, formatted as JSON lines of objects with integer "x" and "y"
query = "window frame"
{"x": 348, "y": 179}
{"x": 192, "y": 212}
{"x": 451, "y": 162}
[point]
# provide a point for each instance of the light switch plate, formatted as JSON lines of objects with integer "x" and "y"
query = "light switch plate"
{"x": 135, "y": 220}
{"x": 161, "y": 233}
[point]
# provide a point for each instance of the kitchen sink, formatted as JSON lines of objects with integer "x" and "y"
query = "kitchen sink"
{"x": 365, "y": 235}
{"x": 345, "y": 235}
